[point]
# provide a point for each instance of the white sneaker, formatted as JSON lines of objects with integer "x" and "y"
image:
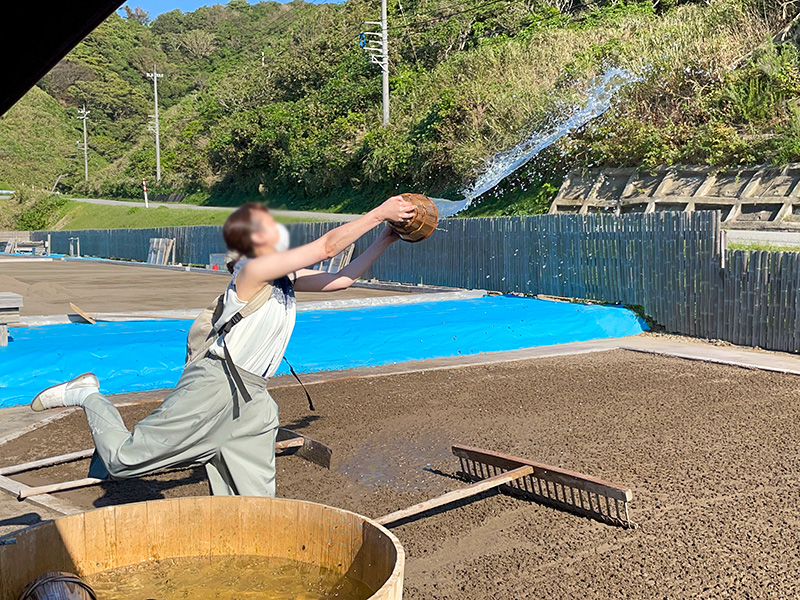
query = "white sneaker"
{"x": 70, "y": 393}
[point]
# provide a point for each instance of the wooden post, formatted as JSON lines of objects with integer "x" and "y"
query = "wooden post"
{"x": 10, "y": 304}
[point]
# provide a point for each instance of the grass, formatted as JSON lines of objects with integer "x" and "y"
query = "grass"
{"x": 762, "y": 247}
{"x": 81, "y": 215}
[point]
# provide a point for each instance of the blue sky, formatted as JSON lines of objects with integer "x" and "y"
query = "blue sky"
{"x": 156, "y": 7}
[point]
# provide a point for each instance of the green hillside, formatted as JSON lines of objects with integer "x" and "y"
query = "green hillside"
{"x": 32, "y": 210}
{"x": 278, "y": 102}
{"x": 37, "y": 142}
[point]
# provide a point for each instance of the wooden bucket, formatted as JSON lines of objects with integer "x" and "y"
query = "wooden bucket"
{"x": 116, "y": 536}
{"x": 424, "y": 222}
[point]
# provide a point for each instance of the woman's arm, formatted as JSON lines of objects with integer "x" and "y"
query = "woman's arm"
{"x": 277, "y": 264}
{"x": 309, "y": 280}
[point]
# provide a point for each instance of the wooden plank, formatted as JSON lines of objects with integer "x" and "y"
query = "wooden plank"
{"x": 789, "y": 290}
{"x": 27, "y": 492}
{"x": 455, "y": 495}
{"x": 9, "y": 315}
{"x": 782, "y": 324}
{"x": 10, "y": 301}
{"x": 752, "y": 304}
{"x": 225, "y": 531}
{"x": 702, "y": 275}
{"x": 795, "y": 281}
{"x": 682, "y": 287}
{"x": 766, "y": 299}
{"x": 737, "y": 285}
{"x": 689, "y": 274}
{"x": 72, "y": 537}
{"x": 724, "y": 295}
{"x": 788, "y": 287}
{"x": 732, "y": 289}
{"x": 773, "y": 283}
{"x": 309, "y": 529}
{"x": 545, "y": 472}
{"x": 160, "y": 530}
{"x": 782, "y": 316}
{"x": 255, "y": 525}
{"x": 85, "y": 316}
{"x": 46, "y": 462}
{"x": 100, "y": 539}
{"x": 132, "y": 541}
{"x": 288, "y": 545}
{"x": 756, "y": 318}
{"x": 55, "y": 504}
{"x": 48, "y": 553}
{"x": 194, "y": 519}
{"x": 716, "y": 261}
{"x": 793, "y": 312}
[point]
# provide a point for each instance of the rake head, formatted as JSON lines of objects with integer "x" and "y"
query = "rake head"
{"x": 552, "y": 486}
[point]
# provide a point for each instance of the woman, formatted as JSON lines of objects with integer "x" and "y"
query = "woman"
{"x": 203, "y": 420}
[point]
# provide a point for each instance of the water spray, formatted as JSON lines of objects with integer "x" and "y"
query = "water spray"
{"x": 601, "y": 92}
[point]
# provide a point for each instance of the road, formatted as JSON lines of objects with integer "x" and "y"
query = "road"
{"x": 295, "y": 214}
{"x": 788, "y": 239}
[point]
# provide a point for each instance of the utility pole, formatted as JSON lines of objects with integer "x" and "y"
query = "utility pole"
{"x": 377, "y": 46}
{"x": 154, "y": 76}
{"x": 83, "y": 114}
{"x": 385, "y": 65}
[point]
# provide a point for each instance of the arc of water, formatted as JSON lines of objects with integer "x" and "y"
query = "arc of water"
{"x": 599, "y": 96}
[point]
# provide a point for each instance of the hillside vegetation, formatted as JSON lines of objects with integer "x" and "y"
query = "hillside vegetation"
{"x": 37, "y": 142}
{"x": 277, "y": 102}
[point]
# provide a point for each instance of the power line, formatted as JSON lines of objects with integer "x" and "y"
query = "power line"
{"x": 450, "y": 16}
{"x": 405, "y": 20}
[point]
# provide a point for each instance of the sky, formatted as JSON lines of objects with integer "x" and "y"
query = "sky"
{"x": 157, "y": 7}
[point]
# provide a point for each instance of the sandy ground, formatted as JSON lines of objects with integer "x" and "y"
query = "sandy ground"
{"x": 710, "y": 451}
{"x": 47, "y": 288}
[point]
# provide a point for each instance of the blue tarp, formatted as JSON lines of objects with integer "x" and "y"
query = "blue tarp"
{"x": 146, "y": 355}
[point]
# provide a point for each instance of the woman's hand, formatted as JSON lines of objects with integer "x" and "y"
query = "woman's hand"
{"x": 397, "y": 209}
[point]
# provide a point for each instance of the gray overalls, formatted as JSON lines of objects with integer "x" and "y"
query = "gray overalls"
{"x": 197, "y": 423}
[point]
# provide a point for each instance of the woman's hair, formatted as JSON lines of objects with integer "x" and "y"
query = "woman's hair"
{"x": 237, "y": 233}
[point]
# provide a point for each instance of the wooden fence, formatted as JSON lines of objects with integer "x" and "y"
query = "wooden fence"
{"x": 672, "y": 264}
{"x": 192, "y": 244}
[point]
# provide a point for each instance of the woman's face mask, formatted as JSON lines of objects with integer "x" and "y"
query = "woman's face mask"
{"x": 283, "y": 238}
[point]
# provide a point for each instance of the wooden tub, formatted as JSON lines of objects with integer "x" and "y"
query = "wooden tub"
{"x": 127, "y": 534}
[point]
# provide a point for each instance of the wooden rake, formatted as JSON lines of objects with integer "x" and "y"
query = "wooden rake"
{"x": 566, "y": 490}
{"x": 287, "y": 441}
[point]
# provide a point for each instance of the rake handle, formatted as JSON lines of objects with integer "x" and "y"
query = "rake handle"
{"x": 470, "y": 490}
{"x": 79, "y": 483}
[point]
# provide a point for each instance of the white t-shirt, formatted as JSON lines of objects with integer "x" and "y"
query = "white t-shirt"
{"x": 257, "y": 342}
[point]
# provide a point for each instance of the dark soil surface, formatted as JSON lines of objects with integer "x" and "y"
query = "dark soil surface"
{"x": 710, "y": 452}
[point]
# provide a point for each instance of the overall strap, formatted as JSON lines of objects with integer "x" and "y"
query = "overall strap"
{"x": 237, "y": 378}
{"x": 252, "y": 306}
{"x": 308, "y": 396}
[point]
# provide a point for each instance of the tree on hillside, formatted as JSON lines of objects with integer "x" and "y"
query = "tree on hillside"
{"x": 137, "y": 14}
{"x": 198, "y": 43}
